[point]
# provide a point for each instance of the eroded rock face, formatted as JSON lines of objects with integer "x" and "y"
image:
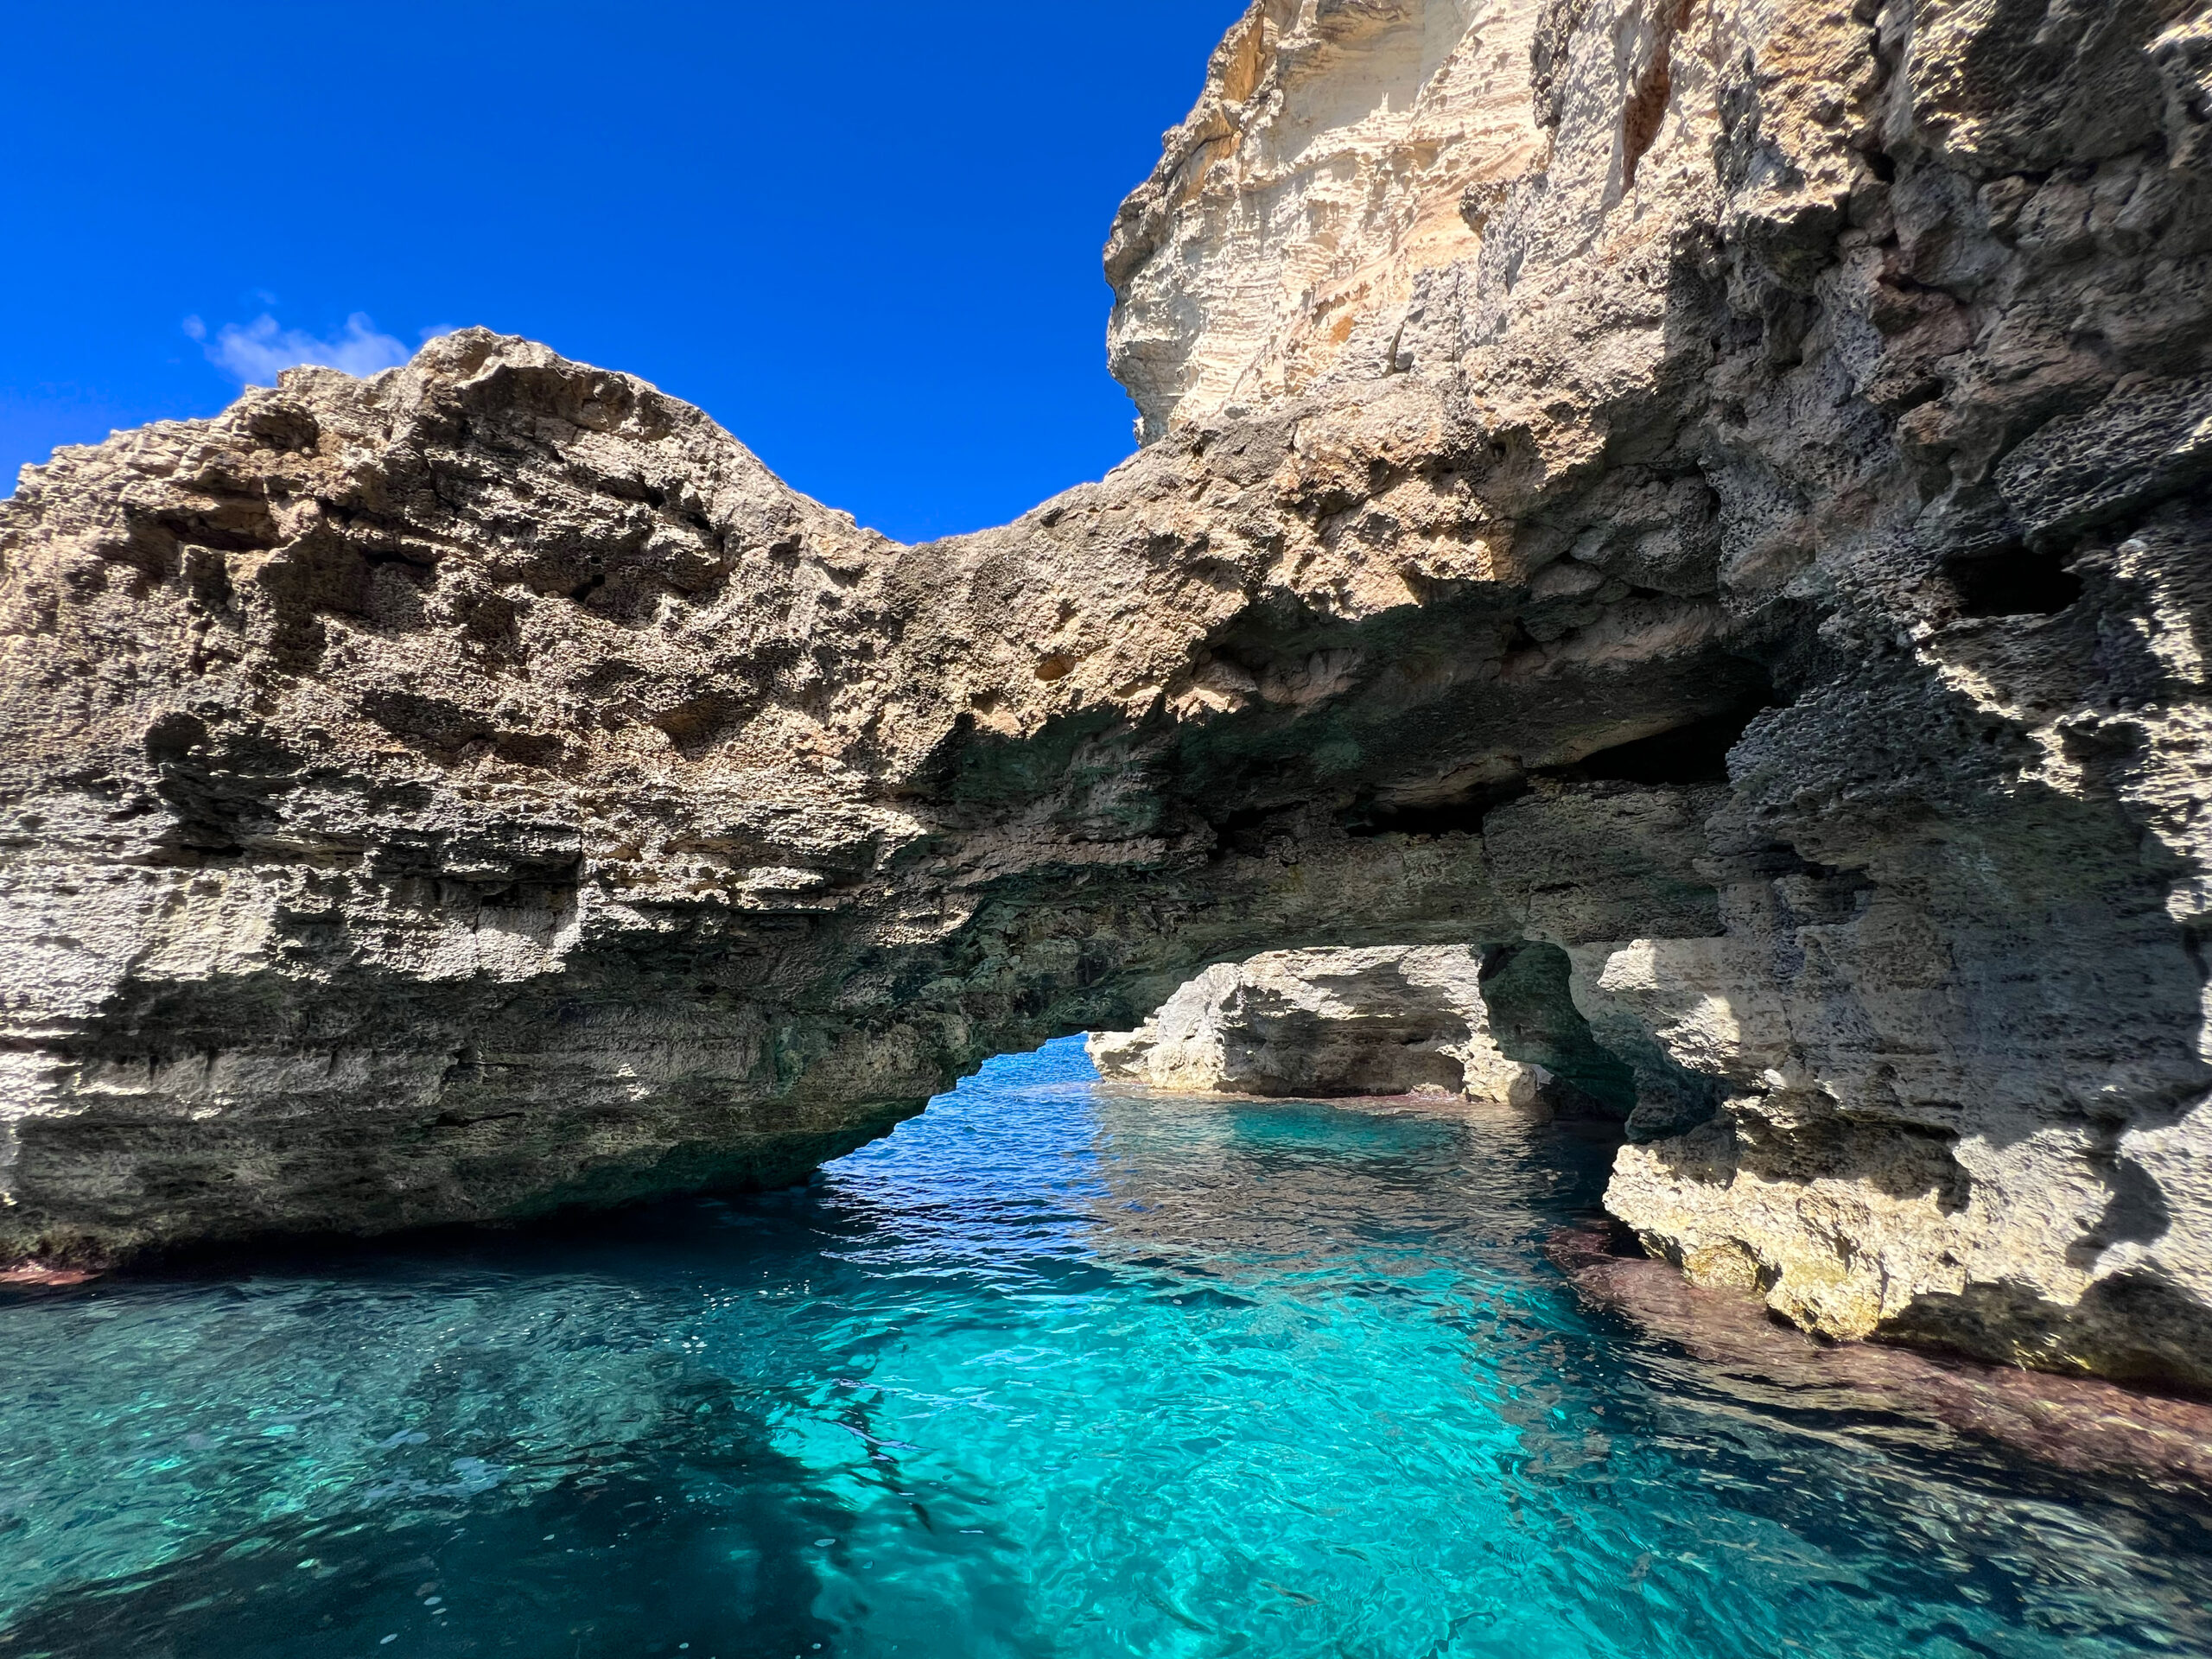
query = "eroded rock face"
{"x": 1340, "y": 165}
{"x": 1381, "y": 1020}
{"x": 1705, "y": 503}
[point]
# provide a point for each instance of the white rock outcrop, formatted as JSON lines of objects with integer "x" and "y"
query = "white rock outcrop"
{"x": 1381, "y": 1021}
{"x": 1341, "y": 161}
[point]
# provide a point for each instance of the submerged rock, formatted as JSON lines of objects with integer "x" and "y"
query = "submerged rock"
{"x": 1706, "y": 505}
{"x": 2085, "y": 1425}
{"x": 1318, "y": 1023}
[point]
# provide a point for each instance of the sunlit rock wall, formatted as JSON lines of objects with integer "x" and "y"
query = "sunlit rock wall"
{"x": 1337, "y": 170}
{"x": 1371, "y": 1021}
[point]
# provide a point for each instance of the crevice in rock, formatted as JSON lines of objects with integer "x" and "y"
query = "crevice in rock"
{"x": 1689, "y": 755}
{"x": 2013, "y": 581}
{"x": 1462, "y": 816}
{"x": 1250, "y": 831}
{"x": 1646, "y": 109}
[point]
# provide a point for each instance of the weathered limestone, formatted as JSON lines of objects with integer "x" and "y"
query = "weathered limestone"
{"x": 1335, "y": 175}
{"x": 1705, "y": 505}
{"x": 1375, "y": 1022}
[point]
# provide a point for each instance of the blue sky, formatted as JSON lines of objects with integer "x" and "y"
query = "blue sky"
{"x": 863, "y": 236}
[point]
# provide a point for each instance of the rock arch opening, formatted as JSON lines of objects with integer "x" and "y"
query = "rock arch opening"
{"x": 1431, "y": 619}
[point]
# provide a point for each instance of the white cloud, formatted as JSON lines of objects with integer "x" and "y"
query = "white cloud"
{"x": 257, "y": 350}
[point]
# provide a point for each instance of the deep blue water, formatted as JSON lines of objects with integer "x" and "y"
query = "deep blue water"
{"x": 1049, "y": 1372}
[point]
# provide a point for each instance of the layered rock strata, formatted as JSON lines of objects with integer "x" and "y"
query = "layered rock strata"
{"x": 1375, "y": 1022}
{"x": 1704, "y": 502}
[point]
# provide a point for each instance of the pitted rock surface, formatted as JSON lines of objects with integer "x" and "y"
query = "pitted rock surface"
{"x": 1704, "y": 504}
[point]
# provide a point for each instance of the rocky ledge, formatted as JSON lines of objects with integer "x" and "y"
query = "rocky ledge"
{"x": 1707, "y": 499}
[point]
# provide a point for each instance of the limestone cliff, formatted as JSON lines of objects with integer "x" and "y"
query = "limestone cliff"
{"x": 1703, "y": 501}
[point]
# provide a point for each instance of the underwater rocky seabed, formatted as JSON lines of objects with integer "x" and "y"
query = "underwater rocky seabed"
{"x": 1058, "y": 1367}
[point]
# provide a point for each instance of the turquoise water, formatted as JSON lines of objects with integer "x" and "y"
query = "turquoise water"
{"x": 1049, "y": 1372}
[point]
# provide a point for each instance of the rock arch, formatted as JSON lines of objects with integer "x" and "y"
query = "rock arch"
{"x": 483, "y": 787}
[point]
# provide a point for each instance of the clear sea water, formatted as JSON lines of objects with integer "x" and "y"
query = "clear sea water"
{"x": 1050, "y": 1371}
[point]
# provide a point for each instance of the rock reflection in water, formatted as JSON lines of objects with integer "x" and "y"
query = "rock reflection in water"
{"x": 1727, "y": 1342}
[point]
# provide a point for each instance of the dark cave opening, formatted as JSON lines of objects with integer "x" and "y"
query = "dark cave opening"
{"x": 2013, "y": 581}
{"x": 1692, "y": 754}
{"x": 1688, "y": 756}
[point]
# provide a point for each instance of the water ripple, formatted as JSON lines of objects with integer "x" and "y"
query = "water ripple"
{"x": 1053, "y": 1370}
